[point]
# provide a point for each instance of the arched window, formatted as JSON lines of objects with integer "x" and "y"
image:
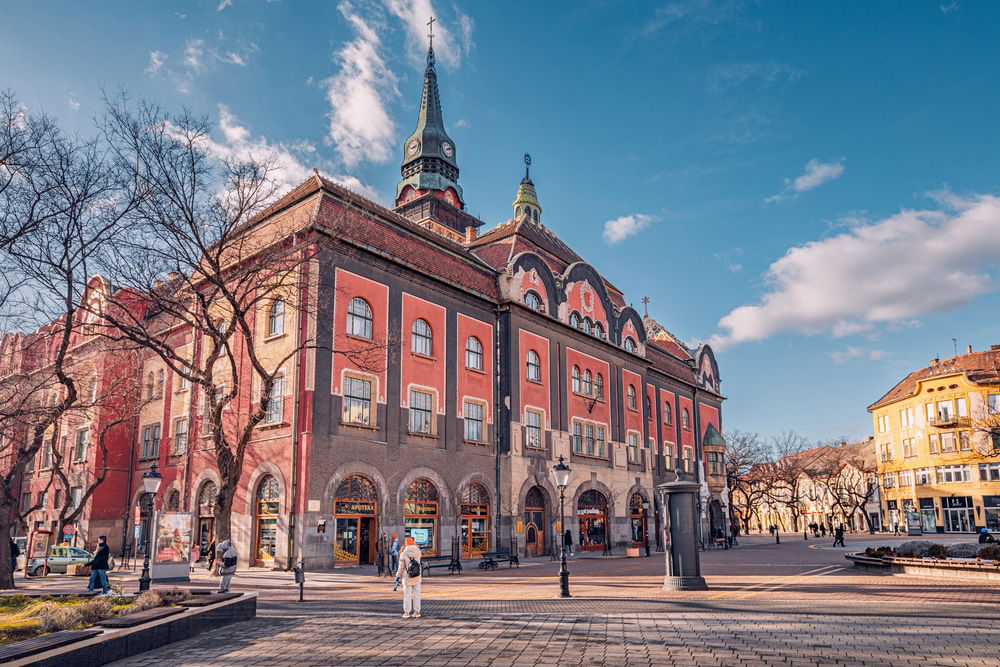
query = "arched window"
{"x": 476, "y": 494}
{"x": 174, "y": 501}
{"x": 649, "y": 407}
{"x": 160, "y": 380}
{"x": 629, "y": 344}
{"x": 267, "y": 496}
{"x": 421, "y": 342}
{"x": 574, "y": 320}
{"x": 631, "y": 397}
{"x": 533, "y": 367}
{"x": 685, "y": 418}
{"x": 588, "y": 383}
{"x": 473, "y": 353}
{"x": 532, "y": 300}
{"x": 150, "y": 385}
{"x": 207, "y": 499}
{"x": 266, "y": 537}
{"x": 668, "y": 414}
{"x": 359, "y": 319}
{"x": 356, "y": 487}
{"x": 599, "y": 386}
{"x": 276, "y": 317}
{"x": 599, "y": 330}
{"x": 576, "y": 380}
{"x": 587, "y": 325}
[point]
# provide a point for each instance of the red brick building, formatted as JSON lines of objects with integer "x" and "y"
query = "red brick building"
{"x": 503, "y": 351}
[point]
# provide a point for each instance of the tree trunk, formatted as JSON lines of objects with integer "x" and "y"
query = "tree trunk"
{"x": 6, "y": 571}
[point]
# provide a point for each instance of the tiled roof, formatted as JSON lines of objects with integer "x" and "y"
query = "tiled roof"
{"x": 667, "y": 363}
{"x": 657, "y": 334}
{"x": 979, "y": 367}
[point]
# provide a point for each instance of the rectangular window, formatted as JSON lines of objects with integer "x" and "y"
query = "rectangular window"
{"x": 714, "y": 463}
{"x": 180, "y": 436}
{"x": 930, "y": 412}
{"x": 908, "y": 448}
{"x": 668, "y": 456}
{"x": 886, "y": 451}
{"x": 906, "y": 478}
{"x": 993, "y": 403}
{"x": 473, "y": 421}
{"x": 43, "y": 499}
{"x": 934, "y": 446}
{"x": 58, "y": 503}
{"x": 944, "y": 410}
{"x": 75, "y": 496}
{"x": 953, "y": 474}
{"x": 633, "y": 448}
{"x": 25, "y": 502}
{"x": 80, "y": 445}
{"x": 902, "y": 419}
{"x": 948, "y": 443}
{"x": 276, "y": 402}
{"x": 989, "y": 472}
{"x": 577, "y": 438}
{"x": 150, "y": 441}
{"x": 421, "y": 412}
{"x": 533, "y": 428}
{"x": 688, "y": 460}
{"x": 47, "y": 455}
{"x": 599, "y": 446}
{"x": 924, "y": 476}
{"x": 961, "y": 409}
{"x": 589, "y": 440}
{"x": 357, "y": 401}
{"x": 889, "y": 480}
{"x": 963, "y": 441}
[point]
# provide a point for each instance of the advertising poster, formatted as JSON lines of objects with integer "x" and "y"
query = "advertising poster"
{"x": 173, "y": 537}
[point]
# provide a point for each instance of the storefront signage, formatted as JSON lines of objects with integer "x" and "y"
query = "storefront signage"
{"x": 963, "y": 501}
{"x": 354, "y": 507}
{"x": 422, "y": 509}
{"x": 475, "y": 510}
{"x": 420, "y": 535}
{"x": 589, "y": 511}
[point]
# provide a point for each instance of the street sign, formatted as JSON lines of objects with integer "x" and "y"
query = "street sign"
{"x": 69, "y": 529}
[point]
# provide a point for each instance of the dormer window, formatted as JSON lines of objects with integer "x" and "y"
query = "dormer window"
{"x": 599, "y": 330}
{"x": 629, "y": 345}
{"x": 574, "y": 320}
{"x": 533, "y": 301}
{"x": 587, "y": 325}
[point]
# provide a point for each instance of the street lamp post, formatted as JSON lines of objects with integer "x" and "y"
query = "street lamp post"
{"x": 150, "y": 484}
{"x": 561, "y": 474}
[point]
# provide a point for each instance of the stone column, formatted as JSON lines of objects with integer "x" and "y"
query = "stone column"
{"x": 680, "y": 521}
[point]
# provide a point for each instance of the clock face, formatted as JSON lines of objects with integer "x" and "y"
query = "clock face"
{"x": 413, "y": 146}
{"x": 447, "y": 148}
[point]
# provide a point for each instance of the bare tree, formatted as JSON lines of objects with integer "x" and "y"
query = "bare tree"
{"x": 746, "y": 479}
{"x": 790, "y": 464}
{"x": 209, "y": 264}
{"x": 852, "y": 480}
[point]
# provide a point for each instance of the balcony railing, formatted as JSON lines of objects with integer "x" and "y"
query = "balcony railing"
{"x": 949, "y": 421}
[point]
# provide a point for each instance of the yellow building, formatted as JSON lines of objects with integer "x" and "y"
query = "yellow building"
{"x": 937, "y": 440}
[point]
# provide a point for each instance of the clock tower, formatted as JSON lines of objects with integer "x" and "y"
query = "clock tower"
{"x": 429, "y": 193}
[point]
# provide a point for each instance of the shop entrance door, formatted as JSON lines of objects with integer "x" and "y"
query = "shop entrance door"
{"x": 958, "y": 520}
{"x": 534, "y": 540}
{"x": 365, "y": 541}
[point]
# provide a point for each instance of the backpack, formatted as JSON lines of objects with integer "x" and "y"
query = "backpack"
{"x": 229, "y": 562}
{"x": 413, "y": 568}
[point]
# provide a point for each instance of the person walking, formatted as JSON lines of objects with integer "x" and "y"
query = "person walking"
{"x": 822, "y": 529}
{"x": 410, "y": 573}
{"x": 14, "y": 553}
{"x": 99, "y": 566}
{"x": 838, "y": 536}
{"x": 211, "y": 557}
{"x": 568, "y": 542}
{"x": 227, "y": 565}
{"x": 394, "y": 553}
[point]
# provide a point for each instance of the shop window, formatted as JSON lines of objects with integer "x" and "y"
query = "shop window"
{"x": 637, "y": 519}
{"x": 592, "y": 518}
{"x": 359, "y": 319}
{"x": 355, "y": 507}
{"x": 421, "y": 341}
{"x": 473, "y": 354}
{"x": 266, "y": 533}
{"x": 475, "y": 519}
{"x": 420, "y": 515}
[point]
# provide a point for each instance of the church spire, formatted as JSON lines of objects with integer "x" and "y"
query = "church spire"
{"x": 526, "y": 202}
{"x": 429, "y": 153}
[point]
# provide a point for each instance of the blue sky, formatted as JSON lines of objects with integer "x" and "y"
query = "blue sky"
{"x": 810, "y": 186}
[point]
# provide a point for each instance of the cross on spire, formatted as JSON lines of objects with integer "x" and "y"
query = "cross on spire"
{"x": 430, "y": 31}
{"x": 645, "y": 306}
{"x": 527, "y": 165}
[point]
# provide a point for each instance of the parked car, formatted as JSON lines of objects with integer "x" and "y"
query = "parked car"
{"x": 22, "y": 544}
{"x": 59, "y": 559}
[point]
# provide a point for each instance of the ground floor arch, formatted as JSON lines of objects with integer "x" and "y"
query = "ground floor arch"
{"x": 592, "y": 520}
{"x": 535, "y": 521}
{"x": 355, "y": 518}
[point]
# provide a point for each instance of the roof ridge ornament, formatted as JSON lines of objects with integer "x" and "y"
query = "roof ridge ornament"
{"x": 430, "y": 43}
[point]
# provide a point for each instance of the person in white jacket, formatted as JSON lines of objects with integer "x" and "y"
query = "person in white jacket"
{"x": 227, "y": 554}
{"x": 411, "y": 585}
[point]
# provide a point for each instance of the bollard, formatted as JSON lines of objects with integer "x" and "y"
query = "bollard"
{"x": 300, "y": 579}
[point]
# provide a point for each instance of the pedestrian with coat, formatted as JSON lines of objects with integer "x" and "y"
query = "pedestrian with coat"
{"x": 838, "y": 536}
{"x": 822, "y": 529}
{"x": 394, "y": 552}
{"x": 211, "y": 557}
{"x": 99, "y": 566}
{"x": 14, "y": 553}
{"x": 410, "y": 573}
{"x": 227, "y": 565}
{"x": 568, "y": 542}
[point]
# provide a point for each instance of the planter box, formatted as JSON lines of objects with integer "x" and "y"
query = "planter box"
{"x": 967, "y": 570}
{"x": 118, "y": 643}
{"x": 631, "y": 552}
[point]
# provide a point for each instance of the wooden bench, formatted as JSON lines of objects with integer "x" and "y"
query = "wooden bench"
{"x": 492, "y": 560}
{"x": 430, "y": 562}
{"x": 205, "y": 600}
{"x": 30, "y": 647}
{"x": 139, "y": 617}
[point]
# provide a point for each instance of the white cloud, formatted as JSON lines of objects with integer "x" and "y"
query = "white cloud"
{"x": 289, "y": 160}
{"x": 949, "y": 7}
{"x": 360, "y": 125}
{"x": 853, "y": 352}
{"x": 414, "y": 14}
{"x": 463, "y": 122}
{"x": 728, "y": 257}
{"x": 887, "y": 273}
{"x": 156, "y": 61}
{"x": 765, "y": 74}
{"x": 816, "y": 174}
{"x": 223, "y": 4}
{"x": 619, "y": 229}
{"x": 194, "y": 54}
{"x": 73, "y": 104}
